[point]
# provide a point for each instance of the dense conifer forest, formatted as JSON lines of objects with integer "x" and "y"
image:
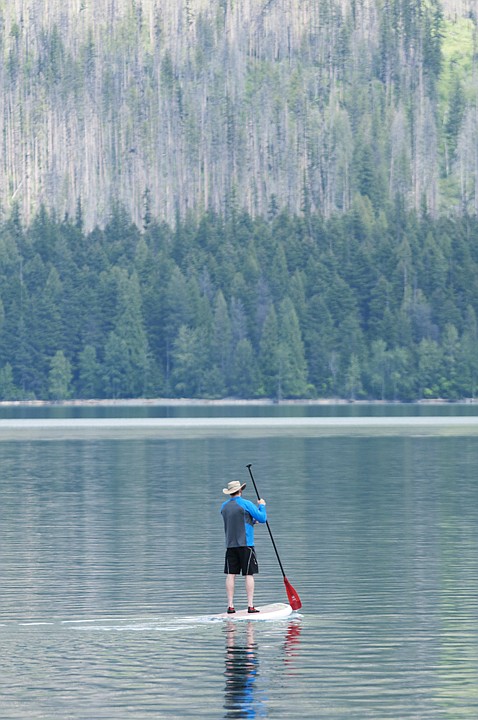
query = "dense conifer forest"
{"x": 361, "y": 305}
{"x": 255, "y": 199}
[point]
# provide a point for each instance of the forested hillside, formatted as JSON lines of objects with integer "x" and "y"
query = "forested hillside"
{"x": 212, "y": 103}
{"x": 214, "y": 198}
{"x": 361, "y": 305}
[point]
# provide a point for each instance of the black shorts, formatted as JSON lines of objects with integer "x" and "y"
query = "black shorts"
{"x": 241, "y": 559}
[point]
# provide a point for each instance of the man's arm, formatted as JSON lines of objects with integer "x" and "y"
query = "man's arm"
{"x": 258, "y": 512}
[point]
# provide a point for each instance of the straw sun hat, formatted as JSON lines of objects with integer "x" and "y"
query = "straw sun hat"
{"x": 233, "y": 487}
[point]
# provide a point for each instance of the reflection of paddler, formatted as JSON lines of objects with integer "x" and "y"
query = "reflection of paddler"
{"x": 241, "y": 671}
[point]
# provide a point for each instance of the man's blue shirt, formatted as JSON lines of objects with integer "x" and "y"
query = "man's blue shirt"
{"x": 239, "y": 517}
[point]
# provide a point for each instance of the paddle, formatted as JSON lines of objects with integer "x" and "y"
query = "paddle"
{"x": 292, "y": 594}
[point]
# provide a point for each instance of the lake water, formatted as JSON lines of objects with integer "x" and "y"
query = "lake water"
{"x": 111, "y": 558}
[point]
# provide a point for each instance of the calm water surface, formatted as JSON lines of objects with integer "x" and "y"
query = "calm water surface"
{"x": 111, "y": 554}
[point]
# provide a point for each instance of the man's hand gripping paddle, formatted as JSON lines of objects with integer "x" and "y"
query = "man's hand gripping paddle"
{"x": 294, "y": 599}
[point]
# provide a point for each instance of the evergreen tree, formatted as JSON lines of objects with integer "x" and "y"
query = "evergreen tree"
{"x": 381, "y": 320}
{"x": 88, "y": 384}
{"x": 292, "y": 364}
{"x": 222, "y": 339}
{"x": 430, "y": 359}
{"x": 186, "y": 374}
{"x": 211, "y": 381}
{"x": 115, "y": 367}
{"x": 353, "y": 382}
{"x": 379, "y": 369}
{"x": 238, "y": 320}
{"x": 59, "y": 377}
{"x": 244, "y": 373}
{"x": 8, "y": 391}
{"x": 130, "y": 335}
{"x": 402, "y": 375}
{"x": 279, "y": 275}
{"x": 449, "y": 385}
{"x": 269, "y": 357}
{"x": 177, "y": 313}
{"x": 455, "y": 115}
{"x": 468, "y": 360}
{"x": 319, "y": 343}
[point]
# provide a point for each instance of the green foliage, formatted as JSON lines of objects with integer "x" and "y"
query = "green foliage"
{"x": 59, "y": 377}
{"x": 88, "y": 384}
{"x": 8, "y": 391}
{"x": 367, "y": 305}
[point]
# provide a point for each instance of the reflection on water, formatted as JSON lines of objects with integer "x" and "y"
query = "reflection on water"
{"x": 379, "y": 534}
{"x": 243, "y": 696}
{"x": 242, "y": 667}
{"x": 198, "y": 409}
{"x": 291, "y": 642}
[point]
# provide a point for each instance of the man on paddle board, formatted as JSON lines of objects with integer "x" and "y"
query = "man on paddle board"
{"x": 239, "y": 517}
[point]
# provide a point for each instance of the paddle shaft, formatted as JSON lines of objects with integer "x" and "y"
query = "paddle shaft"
{"x": 294, "y": 599}
{"x": 267, "y": 522}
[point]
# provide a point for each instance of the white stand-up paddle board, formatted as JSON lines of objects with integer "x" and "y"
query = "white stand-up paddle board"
{"x": 275, "y": 611}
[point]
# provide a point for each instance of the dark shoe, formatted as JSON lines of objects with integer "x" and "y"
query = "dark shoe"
{"x": 252, "y": 610}
{"x": 230, "y": 610}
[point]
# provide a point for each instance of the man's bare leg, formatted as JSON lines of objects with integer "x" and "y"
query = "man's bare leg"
{"x": 230, "y": 583}
{"x": 250, "y": 590}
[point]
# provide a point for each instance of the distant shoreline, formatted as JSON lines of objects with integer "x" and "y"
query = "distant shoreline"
{"x": 172, "y": 402}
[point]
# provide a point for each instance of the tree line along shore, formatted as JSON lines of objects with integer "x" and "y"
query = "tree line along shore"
{"x": 365, "y": 306}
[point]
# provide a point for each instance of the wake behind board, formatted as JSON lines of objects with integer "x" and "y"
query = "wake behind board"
{"x": 275, "y": 611}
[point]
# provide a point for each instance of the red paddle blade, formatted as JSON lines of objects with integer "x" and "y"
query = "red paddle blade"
{"x": 294, "y": 599}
